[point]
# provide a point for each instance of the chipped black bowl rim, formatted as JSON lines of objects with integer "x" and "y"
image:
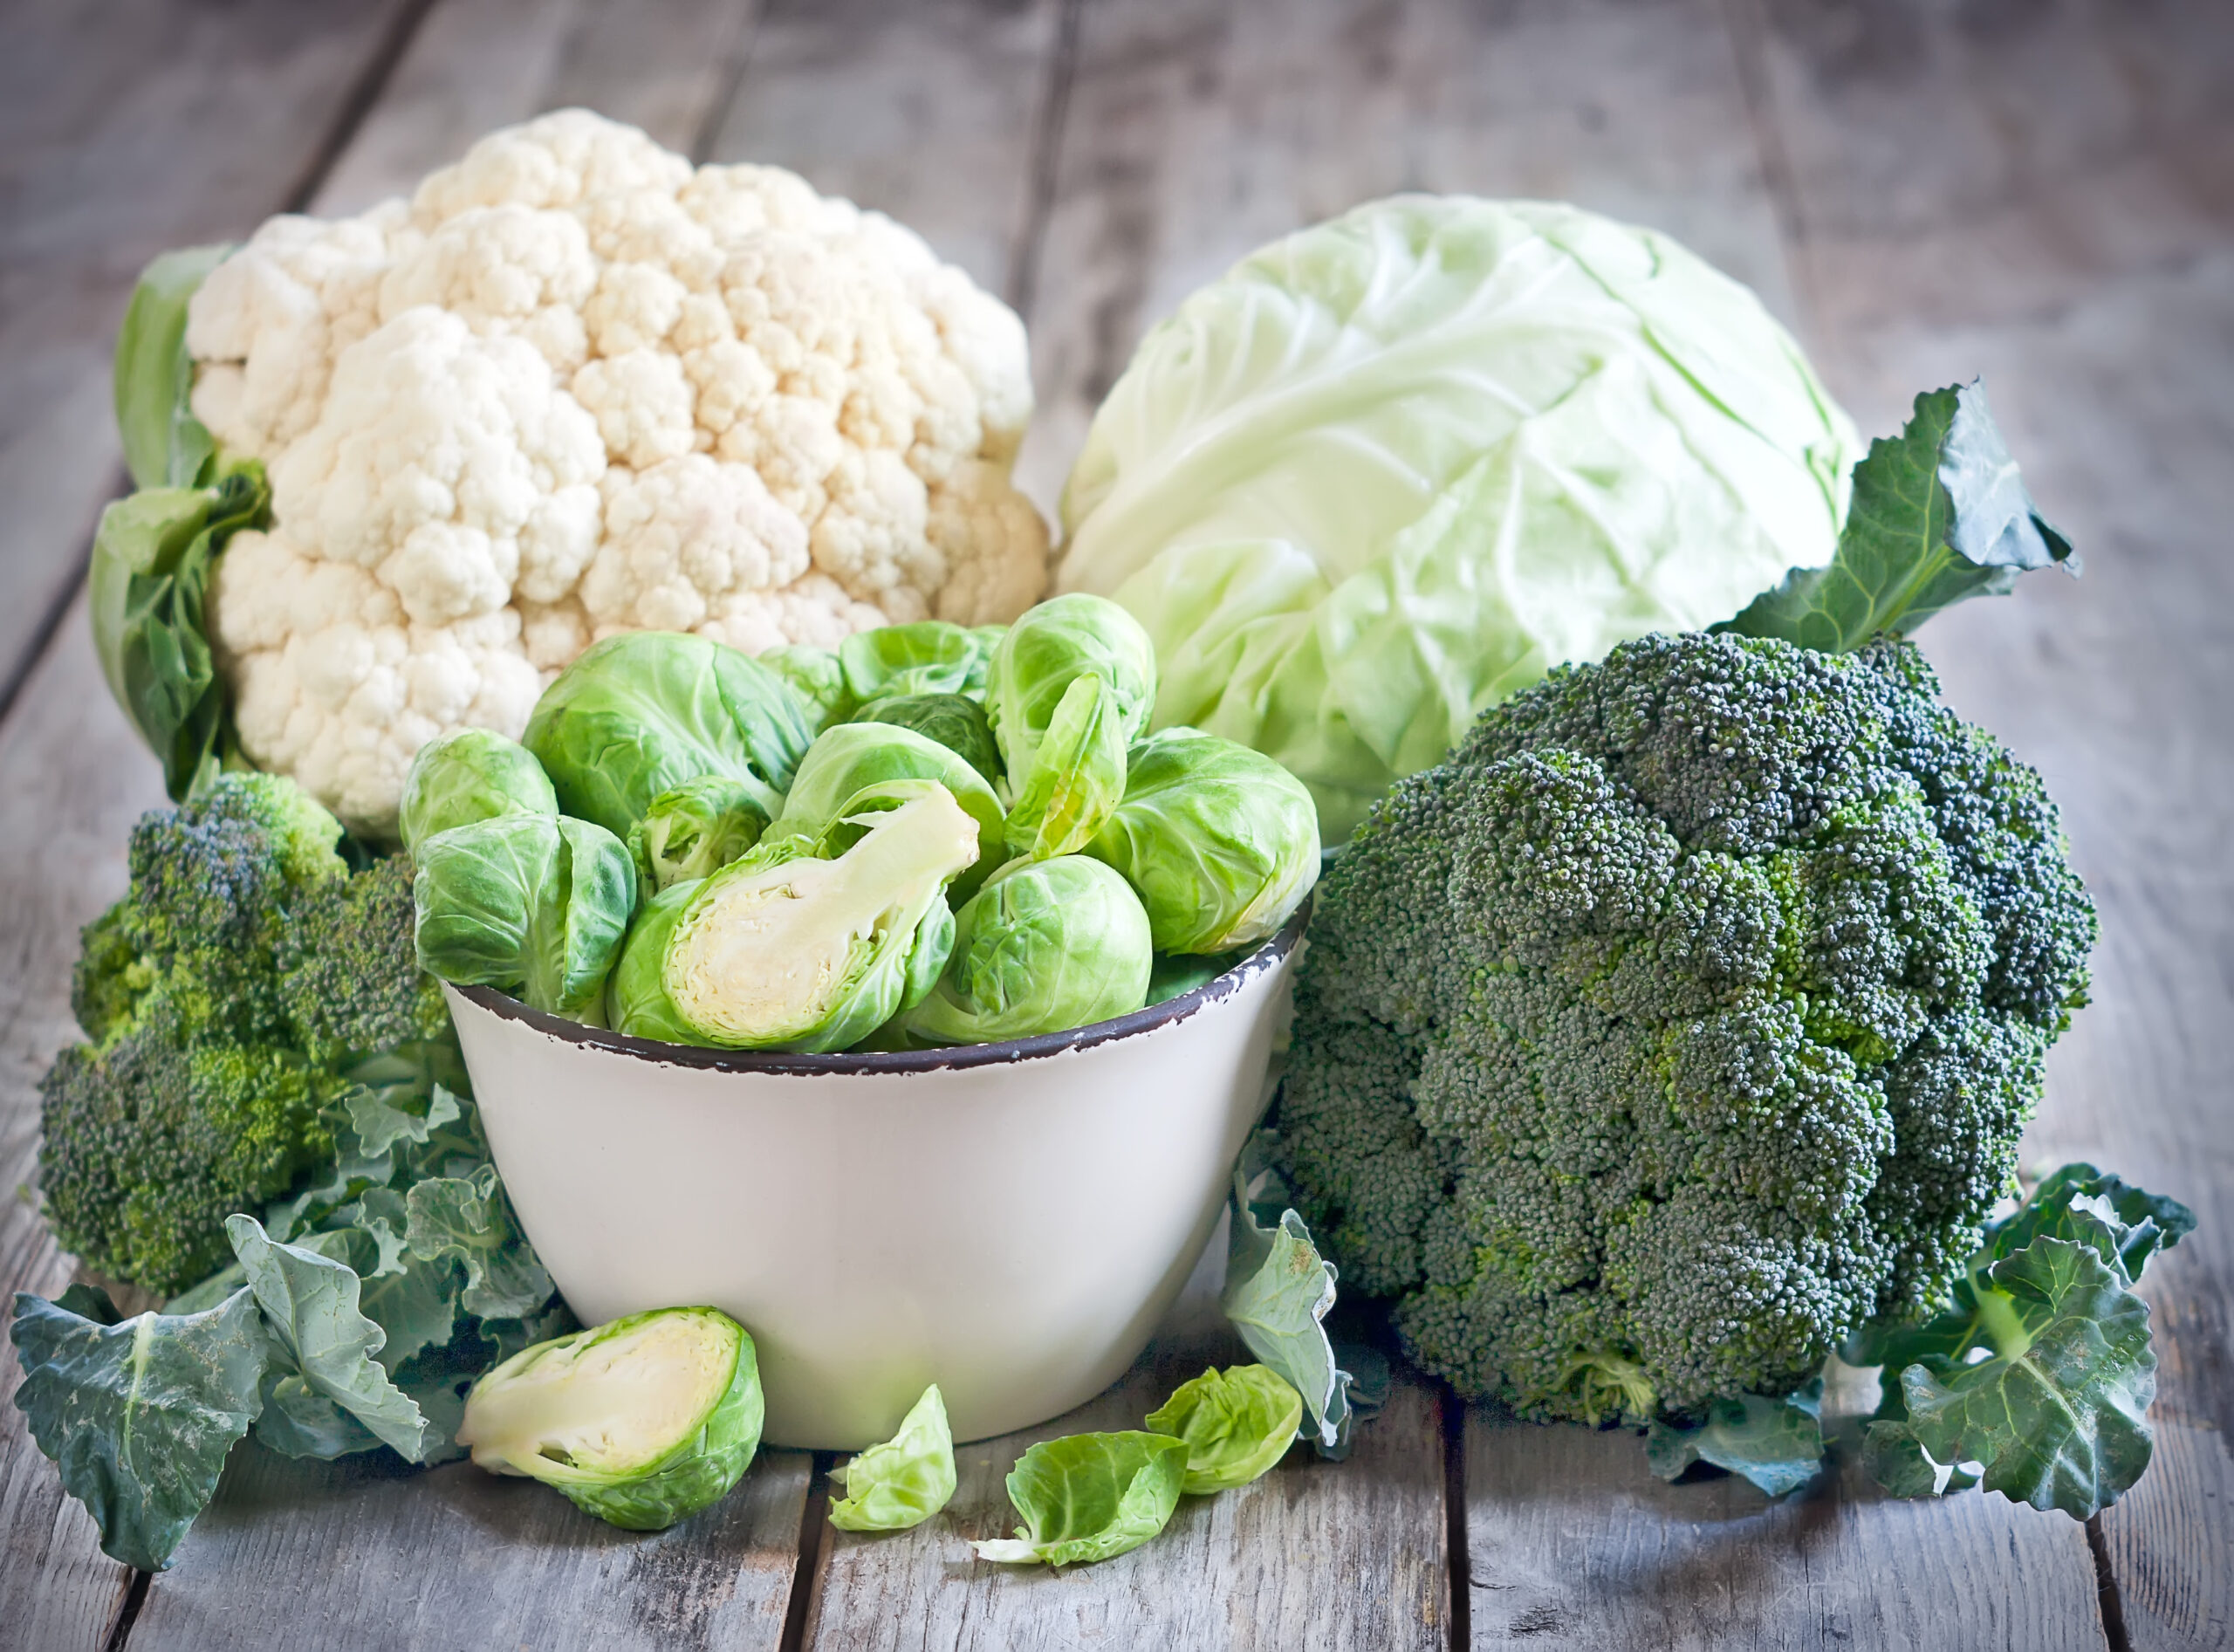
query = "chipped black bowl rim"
{"x": 940, "y": 1060}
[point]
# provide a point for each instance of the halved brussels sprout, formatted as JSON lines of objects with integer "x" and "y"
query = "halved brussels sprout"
{"x": 636, "y": 995}
{"x": 695, "y": 830}
{"x": 1044, "y": 946}
{"x": 928, "y": 656}
{"x": 535, "y": 906}
{"x": 855, "y": 756}
{"x": 1049, "y": 648}
{"x": 904, "y": 1481}
{"x": 641, "y": 1421}
{"x": 468, "y": 775}
{"x": 812, "y": 947}
{"x": 1220, "y": 843}
{"x": 1077, "y": 778}
{"x": 1238, "y": 1423}
{"x": 642, "y": 712}
{"x": 954, "y": 721}
{"x": 817, "y": 680}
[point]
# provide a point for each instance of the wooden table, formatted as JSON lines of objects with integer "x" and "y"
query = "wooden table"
{"x": 2040, "y": 192}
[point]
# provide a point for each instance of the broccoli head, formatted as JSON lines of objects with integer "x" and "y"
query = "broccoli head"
{"x": 221, "y": 998}
{"x": 1683, "y": 1020}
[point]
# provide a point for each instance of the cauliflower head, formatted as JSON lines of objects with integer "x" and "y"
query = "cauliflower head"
{"x": 575, "y": 386}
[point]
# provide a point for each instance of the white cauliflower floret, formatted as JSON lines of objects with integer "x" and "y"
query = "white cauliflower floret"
{"x": 574, "y": 387}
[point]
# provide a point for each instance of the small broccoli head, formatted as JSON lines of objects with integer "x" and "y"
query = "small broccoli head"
{"x": 1685, "y": 1017}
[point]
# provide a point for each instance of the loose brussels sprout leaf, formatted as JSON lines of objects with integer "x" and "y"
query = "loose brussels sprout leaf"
{"x": 817, "y": 680}
{"x": 1076, "y": 776}
{"x": 1237, "y": 1423}
{"x": 1089, "y": 1496}
{"x": 138, "y": 1415}
{"x": 309, "y": 1301}
{"x": 1220, "y": 841}
{"x": 1051, "y": 648}
{"x": 468, "y": 775}
{"x": 853, "y": 756}
{"x": 534, "y": 906}
{"x": 788, "y": 950}
{"x": 694, "y": 831}
{"x": 1278, "y": 1290}
{"x": 1776, "y": 1443}
{"x": 955, "y": 721}
{"x": 927, "y": 657}
{"x": 1173, "y": 975}
{"x": 642, "y": 712}
{"x": 642, "y": 1421}
{"x": 636, "y": 999}
{"x": 906, "y": 1480}
{"x": 1044, "y": 946}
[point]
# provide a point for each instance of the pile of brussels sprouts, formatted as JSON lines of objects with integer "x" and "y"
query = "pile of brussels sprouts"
{"x": 931, "y": 835}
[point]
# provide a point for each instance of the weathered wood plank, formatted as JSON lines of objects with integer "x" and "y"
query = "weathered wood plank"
{"x": 126, "y": 129}
{"x": 1314, "y": 1554}
{"x": 304, "y": 1556}
{"x": 72, "y": 779}
{"x": 2040, "y": 194}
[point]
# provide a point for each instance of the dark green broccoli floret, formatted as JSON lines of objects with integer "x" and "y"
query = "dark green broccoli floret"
{"x": 220, "y": 998}
{"x": 1683, "y": 1019}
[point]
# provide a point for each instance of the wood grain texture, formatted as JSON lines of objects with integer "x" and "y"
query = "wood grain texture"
{"x": 127, "y": 128}
{"x": 72, "y": 779}
{"x": 1314, "y": 1554}
{"x": 2044, "y": 196}
{"x": 300, "y": 1557}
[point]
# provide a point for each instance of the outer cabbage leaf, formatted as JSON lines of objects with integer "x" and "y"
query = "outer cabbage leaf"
{"x": 904, "y": 1481}
{"x": 1939, "y": 514}
{"x": 1090, "y": 1496}
{"x": 1393, "y": 467}
{"x": 1237, "y": 1423}
{"x": 138, "y": 1416}
{"x": 1778, "y": 1444}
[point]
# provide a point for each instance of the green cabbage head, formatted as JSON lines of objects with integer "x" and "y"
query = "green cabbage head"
{"x": 1388, "y": 470}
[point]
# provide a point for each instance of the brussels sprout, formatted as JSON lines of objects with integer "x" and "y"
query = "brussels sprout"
{"x": 1044, "y": 946}
{"x": 636, "y": 995}
{"x": 697, "y": 828}
{"x": 927, "y": 657}
{"x": 642, "y": 1421}
{"x": 1077, "y": 778}
{"x": 854, "y": 756}
{"x": 1048, "y": 649}
{"x": 1220, "y": 841}
{"x": 906, "y": 1480}
{"x": 468, "y": 775}
{"x": 1173, "y": 975}
{"x": 641, "y": 712}
{"x": 1238, "y": 1423}
{"x": 817, "y": 680}
{"x": 812, "y": 945}
{"x": 954, "y": 721}
{"x": 534, "y": 905}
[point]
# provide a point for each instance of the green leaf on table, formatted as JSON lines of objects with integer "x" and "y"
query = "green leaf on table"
{"x": 1278, "y": 1290}
{"x": 1237, "y": 1423}
{"x": 904, "y": 1481}
{"x": 311, "y": 1303}
{"x": 1090, "y": 1496}
{"x": 164, "y": 443}
{"x": 1939, "y": 513}
{"x": 469, "y": 1217}
{"x": 1776, "y": 1443}
{"x": 2058, "y": 1415}
{"x": 138, "y": 1415}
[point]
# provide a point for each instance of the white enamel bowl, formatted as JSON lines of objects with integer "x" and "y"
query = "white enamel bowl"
{"x": 1010, "y": 1220}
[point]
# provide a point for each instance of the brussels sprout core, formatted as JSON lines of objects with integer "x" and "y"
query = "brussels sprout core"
{"x": 770, "y": 946}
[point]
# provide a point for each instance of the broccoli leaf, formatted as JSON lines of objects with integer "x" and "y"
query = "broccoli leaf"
{"x": 2059, "y": 1413}
{"x": 311, "y": 1302}
{"x": 2081, "y": 1203}
{"x": 138, "y": 1415}
{"x": 1278, "y": 1290}
{"x": 1778, "y": 1444}
{"x": 164, "y": 443}
{"x": 1939, "y": 513}
{"x": 469, "y": 1217}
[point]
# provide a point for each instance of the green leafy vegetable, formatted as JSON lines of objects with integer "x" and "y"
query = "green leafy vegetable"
{"x": 928, "y": 656}
{"x": 1048, "y": 649}
{"x": 1237, "y": 1423}
{"x": 469, "y": 1217}
{"x": 1076, "y": 776}
{"x": 854, "y": 756}
{"x": 636, "y": 998}
{"x": 1778, "y": 1444}
{"x": 468, "y": 775}
{"x": 817, "y": 680}
{"x": 697, "y": 829}
{"x": 1174, "y": 975}
{"x": 164, "y": 444}
{"x": 1090, "y": 1496}
{"x": 1939, "y": 514}
{"x": 956, "y": 722}
{"x": 642, "y": 1421}
{"x": 138, "y": 1416}
{"x": 904, "y": 1481}
{"x": 1278, "y": 1289}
